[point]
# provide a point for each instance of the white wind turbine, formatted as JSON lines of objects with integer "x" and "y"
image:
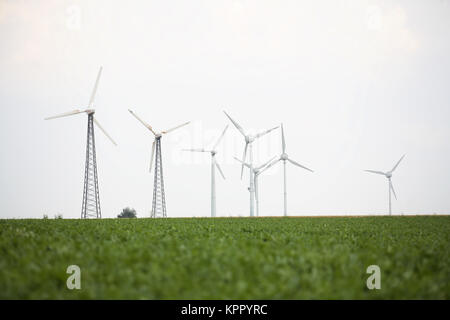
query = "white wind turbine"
{"x": 388, "y": 175}
{"x": 249, "y": 139}
{"x": 91, "y": 198}
{"x": 159, "y": 199}
{"x": 256, "y": 172}
{"x": 214, "y": 164}
{"x": 284, "y": 157}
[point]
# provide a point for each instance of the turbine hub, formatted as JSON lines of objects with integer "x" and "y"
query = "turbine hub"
{"x": 388, "y": 175}
{"x": 284, "y": 156}
{"x": 213, "y": 152}
{"x": 90, "y": 111}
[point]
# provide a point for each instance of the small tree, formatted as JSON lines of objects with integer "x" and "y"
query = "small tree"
{"x": 127, "y": 213}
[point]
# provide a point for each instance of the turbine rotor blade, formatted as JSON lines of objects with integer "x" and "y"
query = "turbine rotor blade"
{"x": 196, "y": 150}
{"x": 243, "y": 159}
{"x": 104, "y": 131}
{"x": 236, "y": 124}
{"x": 152, "y": 156}
{"x": 392, "y": 188}
{"x": 143, "y": 122}
{"x": 244, "y": 163}
{"x": 259, "y": 135}
{"x": 94, "y": 91}
{"x": 265, "y": 164}
{"x": 298, "y": 164}
{"x": 283, "y": 142}
{"x": 220, "y": 170}
{"x": 395, "y": 167}
{"x": 270, "y": 165}
{"x": 377, "y": 172}
{"x": 220, "y": 138}
{"x": 174, "y": 128}
{"x": 66, "y": 114}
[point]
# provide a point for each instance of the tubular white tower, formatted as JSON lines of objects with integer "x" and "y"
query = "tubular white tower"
{"x": 256, "y": 172}
{"x": 284, "y": 157}
{"x": 214, "y": 165}
{"x": 251, "y": 188}
{"x": 90, "y": 207}
{"x": 388, "y": 175}
{"x": 159, "y": 199}
{"x": 248, "y": 145}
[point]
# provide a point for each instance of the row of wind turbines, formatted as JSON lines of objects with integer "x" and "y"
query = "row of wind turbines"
{"x": 91, "y": 199}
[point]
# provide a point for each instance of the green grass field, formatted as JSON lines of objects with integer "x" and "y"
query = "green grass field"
{"x": 226, "y": 258}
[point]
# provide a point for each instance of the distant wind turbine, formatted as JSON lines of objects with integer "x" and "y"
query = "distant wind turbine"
{"x": 388, "y": 175}
{"x": 256, "y": 172}
{"x": 284, "y": 157}
{"x": 214, "y": 165}
{"x": 91, "y": 198}
{"x": 248, "y": 145}
{"x": 159, "y": 198}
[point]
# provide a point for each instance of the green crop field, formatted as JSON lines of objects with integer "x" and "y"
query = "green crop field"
{"x": 226, "y": 258}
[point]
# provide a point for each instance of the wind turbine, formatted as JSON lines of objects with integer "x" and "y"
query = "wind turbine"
{"x": 91, "y": 198}
{"x": 388, "y": 175}
{"x": 214, "y": 164}
{"x": 248, "y": 145}
{"x": 159, "y": 199}
{"x": 256, "y": 172}
{"x": 284, "y": 157}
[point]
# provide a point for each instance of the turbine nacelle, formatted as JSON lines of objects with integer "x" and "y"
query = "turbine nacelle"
{"x": 284, "y": 156}
{"x": 249, "y": 138}
{"x": 388, "y": 175}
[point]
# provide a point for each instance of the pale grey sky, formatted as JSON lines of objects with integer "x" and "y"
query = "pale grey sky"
{"x": 357, "y": 84}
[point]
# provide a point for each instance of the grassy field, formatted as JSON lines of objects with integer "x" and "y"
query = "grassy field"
{"x": 226, "y": 258}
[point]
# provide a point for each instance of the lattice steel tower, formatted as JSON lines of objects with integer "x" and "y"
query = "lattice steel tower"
{"x": 159, "y": 199}
{"x": 91, "y": 200}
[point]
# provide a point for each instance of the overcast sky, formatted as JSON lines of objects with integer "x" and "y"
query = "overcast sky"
{"x": 357, "y": 84}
